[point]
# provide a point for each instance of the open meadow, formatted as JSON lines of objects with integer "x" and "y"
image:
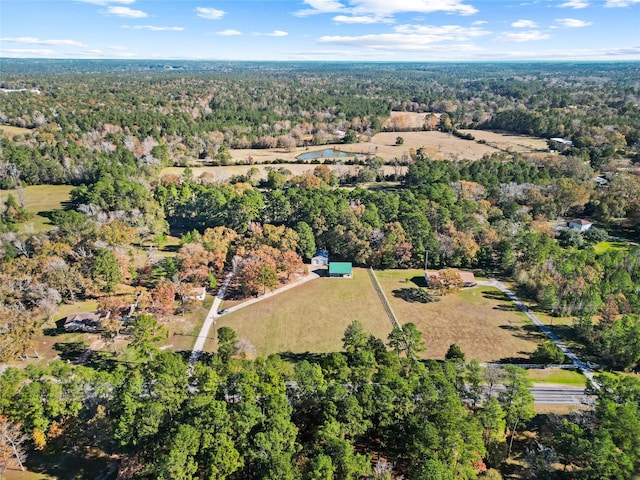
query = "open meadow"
{"x": 312, "y": 318}
{"x": 437, "y": 145}
{"x": 485, "y": 324}
{"x": 11, "y": 131}
{"x": 38, "y": 200}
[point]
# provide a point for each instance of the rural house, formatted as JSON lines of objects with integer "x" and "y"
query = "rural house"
{"x": 84, "y": 322}
{"x": 580, "y": 225}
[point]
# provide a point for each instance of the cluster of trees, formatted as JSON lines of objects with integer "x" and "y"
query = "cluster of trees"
{"x": 199, "y": 111}
{"x": 369, "y": 410}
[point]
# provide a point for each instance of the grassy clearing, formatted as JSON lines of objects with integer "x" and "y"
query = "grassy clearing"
{"x": 603, "y": 247}
{"x": 481, "y": 320}
{"x": 311, "y": 317}
{"x": 39, "y": 199}
{"x": 558, "y": 376}
{"x": 11, "y": 131}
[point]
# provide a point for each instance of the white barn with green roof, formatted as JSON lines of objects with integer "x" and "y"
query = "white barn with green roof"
{"x": 340, "y": 269}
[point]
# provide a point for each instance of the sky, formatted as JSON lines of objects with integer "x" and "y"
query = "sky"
{"x": 347, "y": 30}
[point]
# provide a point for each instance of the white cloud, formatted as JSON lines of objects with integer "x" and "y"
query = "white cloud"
{"x": 479, "y": 22}
{"x": 526, "y": 36}
{"x": 524, "y": 24}
{"x": 572, "y": 22}
{"x": 620, "y": 3}
{"x": 229, "y": 32}
{"x": 386, "y": 8}
{"x": 11, "y": 52}
{"x": 37, "y": 41}
{"x": 275, "y": 33}
{"x": 154, "y": 28}
{"x": 363, "y": 19}
{"x": 210, "y": 13}
{"x": 125, "y": 12}
{"x": 107, "y": 2}
{"x": 320, "y": 6}
{"x": 443, "y": 32}
{"x": 575, "y": 4}
{"x": 116, "y": 47}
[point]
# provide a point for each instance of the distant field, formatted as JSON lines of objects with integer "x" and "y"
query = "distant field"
{"x": 39, "y": 199}
{"x": 223, "y": 173}
{"x": 11, "y": 131}
{"x": 509, "y": 141}
{"x": 311, "y": 317}
{"x": 481, "y": 320}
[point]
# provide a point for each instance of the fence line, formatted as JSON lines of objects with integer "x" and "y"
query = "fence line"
{"x": 383, "y": 299}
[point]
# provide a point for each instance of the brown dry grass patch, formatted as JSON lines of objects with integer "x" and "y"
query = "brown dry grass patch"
{"x": 311, "y": 317}
{"x": 487, "y": 326}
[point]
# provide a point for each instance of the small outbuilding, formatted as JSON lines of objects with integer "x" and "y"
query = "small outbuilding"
{"x": 320, "y": 258}
{"x": 580, "y": 224}
{"x": 340, "y": 269}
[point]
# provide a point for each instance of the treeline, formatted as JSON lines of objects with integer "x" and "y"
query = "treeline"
{"x": 367, "y": 412}
{"x": 198, "y": 110}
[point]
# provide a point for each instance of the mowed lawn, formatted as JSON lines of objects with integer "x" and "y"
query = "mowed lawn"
{"x": 39, "y": 199}
{"x": 311, "y": 317}
{"x": 485, "y": 324}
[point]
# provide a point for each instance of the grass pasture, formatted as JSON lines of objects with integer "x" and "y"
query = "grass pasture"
{"x": 40, "y": 199}
{"x": 510, "y": 142}
{"x": 311, "y": 317}
{"x": 11, "y": 131}
{"x": 485, "y": 324}
{"x": 557, "y": 376}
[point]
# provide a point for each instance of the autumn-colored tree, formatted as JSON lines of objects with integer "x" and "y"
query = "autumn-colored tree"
{"x": 163, "y": 298}
{"x": 290, "y": 263}
{"x": 194, "y": 259}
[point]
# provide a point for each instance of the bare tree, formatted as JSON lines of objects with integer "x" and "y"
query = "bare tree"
{"x": 11, "y": 443}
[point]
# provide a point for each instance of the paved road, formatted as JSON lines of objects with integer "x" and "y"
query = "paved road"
{"x": 576, "y": 361}
{"x": 554, "y": 394}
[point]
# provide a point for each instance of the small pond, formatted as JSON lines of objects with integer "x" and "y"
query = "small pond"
{"x": 326, "y": 153}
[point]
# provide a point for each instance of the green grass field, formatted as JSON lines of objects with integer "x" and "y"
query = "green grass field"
{"x": 603, "y": 247}
{"x": 311, "y": 317}
{"x": 39, "y": 199}
{"x": 481, "y": 320}
{"x": 558, "y": 376}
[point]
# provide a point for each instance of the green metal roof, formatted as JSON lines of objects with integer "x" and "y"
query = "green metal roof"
{"x": 340, "y": 268}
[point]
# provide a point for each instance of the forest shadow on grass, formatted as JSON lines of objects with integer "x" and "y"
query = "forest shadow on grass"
{"x": 414, "y": 295}
{"x": 301, "y": 356}
{"x": 70, "y": 350}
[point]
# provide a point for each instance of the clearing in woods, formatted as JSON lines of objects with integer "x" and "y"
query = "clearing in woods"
{"x": 309, "y": 318}
{"x": 313, "y": 317}
{"x": 485, "y": 324}
{"x": 40, "y": 199}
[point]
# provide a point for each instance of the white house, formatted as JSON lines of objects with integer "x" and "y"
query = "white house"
{"x": 580, "y": 225}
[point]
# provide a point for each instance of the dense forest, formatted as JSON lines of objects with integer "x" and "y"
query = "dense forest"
{"x": 377, "y": 409}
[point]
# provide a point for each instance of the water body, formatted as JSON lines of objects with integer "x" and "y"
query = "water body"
{"x": 326, "y": 153}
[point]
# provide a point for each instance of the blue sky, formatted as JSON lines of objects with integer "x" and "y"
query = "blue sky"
{"x": 373, "y": 30}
